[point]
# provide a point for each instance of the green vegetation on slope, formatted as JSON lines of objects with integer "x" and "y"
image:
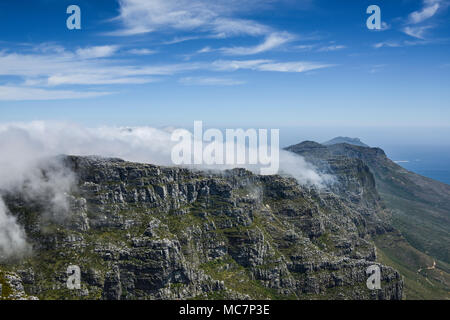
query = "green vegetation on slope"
{"x": 393, "y": 250}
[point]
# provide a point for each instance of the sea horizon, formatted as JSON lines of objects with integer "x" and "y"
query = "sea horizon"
{"x": 429, "y": 161}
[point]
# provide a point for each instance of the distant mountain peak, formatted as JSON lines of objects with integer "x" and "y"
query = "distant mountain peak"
{"x": 352, "y": 141}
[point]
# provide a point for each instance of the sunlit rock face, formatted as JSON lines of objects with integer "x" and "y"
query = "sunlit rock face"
{"x": 140, "y": 231}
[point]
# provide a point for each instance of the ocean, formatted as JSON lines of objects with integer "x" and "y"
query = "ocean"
{"x": 429, "y": 161}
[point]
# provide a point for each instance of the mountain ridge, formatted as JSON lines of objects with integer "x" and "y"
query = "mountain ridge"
{"x": 351, "y": 141}
{"x": 419, "y": 206}
{"x": 140, "y": 231}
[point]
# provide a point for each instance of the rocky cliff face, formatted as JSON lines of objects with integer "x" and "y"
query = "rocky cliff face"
{"x": 140, "y": 231}
{"x": 420, "y": 206}
{"x": 417, "y": 213}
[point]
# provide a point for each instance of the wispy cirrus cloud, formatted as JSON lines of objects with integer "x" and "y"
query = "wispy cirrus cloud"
{"x": 200, "y": 19}
{"x": 429, "y": 9}
{"x": 96, "y": 52}
{"x": 66, "y": 68}
{"x": 210, "y": 81}
{"x": 141, "y": 52}
{"x": 333, "y": 47}
{"x": 384, "y": 26}
{"x": 305, "y": 47}
{"x": 295, "y": 66}
{"x": 92, "y": 79}
{"x": 272, "y": 41}
{"x": 389, "y": 44}
{"x": 56, "y": 69}
{"x": 179, "y": 40}
{"x": 321, "y": 47}
{"x": 268, "y": 65}
{"x": 417, "y": 24}
{"x": 40, "y": 71}
{"x": 417, "y": 32}
{"x": 45, "y": 74}
{"x": 227, "y": 27}
{"x": 205, "y": 50}
{"x": 15, "y": 93}
{"x": 217, "y": 17}
{"x": 400, "y": 44}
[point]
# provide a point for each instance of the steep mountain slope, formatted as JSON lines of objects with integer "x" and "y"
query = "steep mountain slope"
{"x": 420, "y": 207}
{"x": 140, "y": 231}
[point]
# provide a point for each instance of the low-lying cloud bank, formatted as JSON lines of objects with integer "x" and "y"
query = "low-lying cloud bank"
{"x": 12, "y": 235}
{"x": 27, "y": 168}
{"x": 25, "y": 144}
{"x": 28, "y": 147}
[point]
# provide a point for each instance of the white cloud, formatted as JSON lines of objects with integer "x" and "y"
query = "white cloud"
{"x": 96, "y": 52}
{"x": 331, "y": 48}
{"x": 384, "y": 26}
{"x": 429, "y": 10}
{"x": 321, "y": 47}
{"x": 399, "y": 44}
{"x": 416, "y": 32}
{"x": 51, "y": 66}
{"x": 210, "y": 81}
{"x": 94, "y": 79}
{"x": 205, "y": 50}
{"x": 269, "y": 65}
{"x": 141, "y": 52}
{"x": 391, "y": 44}
{"x": 25, "y": 143}
{"x": 225, "y": 27}
{"x": 231, "y": 65}
{"x": 272, "y": 41}
{"x": 299, "y": 66}
{"x": 49, "y": 47}
{"x": 179, "y": 40}
{"x": 305, "y": 47}
{"x": 140, "y": 16}
{"x": 143, "y": 16}
{"x": 12, "y": 236}
{"x": 15, "y": 93}
{"x": 22, "y": 170}
{"x": 51, "y": 69}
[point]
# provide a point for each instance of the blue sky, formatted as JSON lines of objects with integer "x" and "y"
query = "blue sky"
{"x": 309, "y": 66}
